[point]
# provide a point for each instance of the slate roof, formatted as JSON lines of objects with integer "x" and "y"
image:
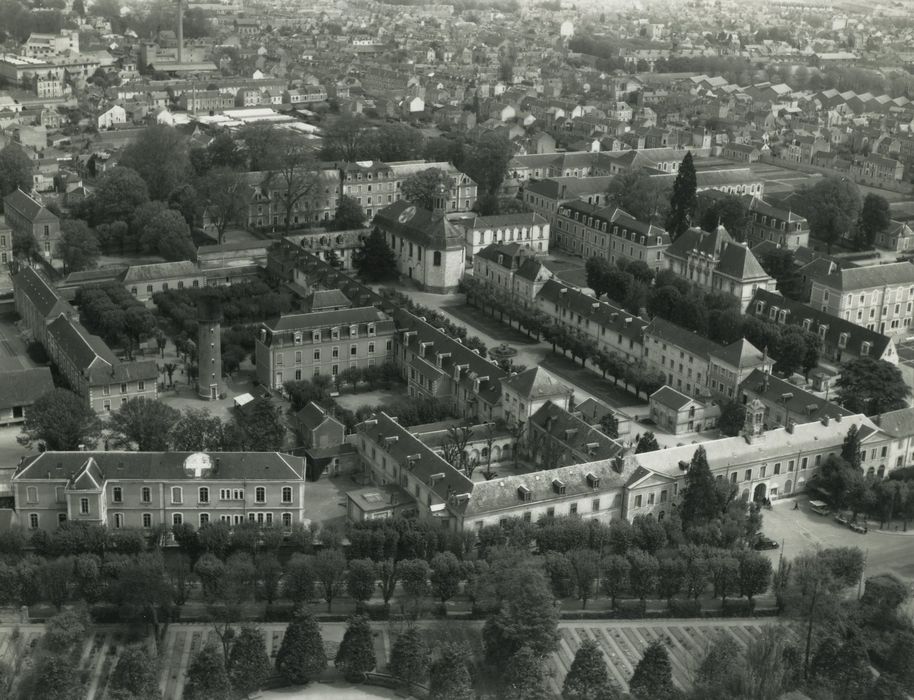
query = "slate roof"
{"x": 22, "y": 386}
{"x": 312, "y": 416}
{"x": 79, "y": 344}
{"x": 899, "y": 424}
{"x": 328, "y": 298}
{"x": 740, "y": 353}
{"x": 733, "y": 259}
{"x": 159, "y": 271}
{"x": 854, "y": 278}
{"x": 420, "y": 225}
{"x": 25, "y": 204}
{"x": 260, "y": 466}
{"x": 427, "y": 464}
{"x": 326, "y": 319}
{"x": 476, "y": 366}
{"x": 574, "y": 432}
{"x": 735, "y": 452}
{"x": 536, "y": 383}
{"x": 803, "y": 406}
{"x": 669, "y": 397}
{"x": 530, "y": 269}
{"x": 40, "y": 293}
{"x": 602, "y": 313}
{"x": 797, "y": 312}
{"x": 682, "y": 338}
{"x": 502, "y": 494}
{"x": 499, "y": 220}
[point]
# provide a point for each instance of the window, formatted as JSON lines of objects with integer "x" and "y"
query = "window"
{"x": 31, "y": 494}
{"x": 118, "y": 520}
{"x": 286, "y": 494}
{"x": 177, "y": 494}
{"x": 818, "y": 460}
{"x": 117, "y": 494}
{"x": 336, "y": 352}
{"x": 84, "y": 506}
{"x": 33, "y": 521}
{"x": 123, "y": 388}
{"x": 60, "y": 495}
{"x": 370, "y": 348}
{"x": 141, "y": 386}
{"x": 573, "y": 509}
{"x": 147, "y": 520}
{"x": 204, "y": 519}
{"x": 748, "y": 475}
{"x": 595, "y": 505}
{"x": 177, "y": 519}
{"x": 317, "y": 355}
{"x": 146, "y": 495}
{"x": 637, "y": 501}
{"x": 436, "y": 259}
{"x": 203, "y": 496}
{"x": 353, "y": 350}
{"x": 287, "y": 520}
{"x": 804, "y": 462}
{"x": 260, "y": 494}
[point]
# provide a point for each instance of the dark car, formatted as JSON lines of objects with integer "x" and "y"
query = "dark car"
{"x": 764, "y": 542}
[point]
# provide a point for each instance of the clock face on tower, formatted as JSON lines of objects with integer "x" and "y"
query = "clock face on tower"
{"x": 407, "y": 214}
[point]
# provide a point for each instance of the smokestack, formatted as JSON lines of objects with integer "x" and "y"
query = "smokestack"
{"x": 180, "y": 6}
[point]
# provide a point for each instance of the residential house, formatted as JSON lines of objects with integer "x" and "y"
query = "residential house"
{"x": 511, "y": 270}
{"x": 675, "y": 413}
{"x": 525, "y": 393}
{"x": 529, "y": 230}
{"x": 112, "y": 116}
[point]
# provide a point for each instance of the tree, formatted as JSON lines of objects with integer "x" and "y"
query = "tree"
{"x": 168, "y": 235}
{"x": 486, "y": 161}
{"x": 647, "y": 443}
{"x": 349, "y": 215}
{"x": 701, "y": 499}
{"x": 727, "y": 211}
{"x": 356, "y": 655}
{"x": 260, "y": 428}
{"x": 295, "y": 177}
{"x": 62, "y": 421}
{"x": 375, "y": 261}
{"x": 832, "y": 207}
{"x": 644, "y": 197}
{"x": 422, "y": 187}
{"x": 143, "y": 422}
{"x": 347, "y": 139}
{"x": 653, "y": 677}
{"x": 55, "y": 677}
{"x": 409, "y": 657}
{"x": 524, "y": 677}
{"x": 248, "y": 662}
{"x": 643, "y": 573}
{"x": 77, "y": 247}
{"x": 298, "y": 583}
{"x": 361, "y": 580}
{"x": 871, "y": 386}
{"x": 119, "y": 193}
{"x": 66, "y": 630}
{"x": 225, "y": 195}
{"x": 329, "y": 568}
{"x": 732, "y": 418}
{"x": 615, "y": 576}
{"x": 207, "y": 678}
{"x": 160, "y": 156}
{"x": 414, "y": 575}
{"x": 781, "y": 265}
{"x": 527, "y": 616}
{"x": 683, "y": 200}
{"x": 754, "y": 573}
{"x": 875, "y": 218}
{"x": 301, "y": 655}
{"x": 449, "y": 675}
{"x": 25, "y": 247}
{"x": 136, "y": 675}
{"x": 16, "y": 169}
{"x": 588, "y": 678}
{"x": 196, "y": 431}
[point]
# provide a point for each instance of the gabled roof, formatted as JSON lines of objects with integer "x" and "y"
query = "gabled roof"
{"x": 737, "y": 261}
{"x": 321, "y": 299}
{"x": 850, "y": 279}
{"x": 574, "y": 432}
{"x": 89, "y": 478}
{"x": 326, "y": 319}
{"x": 801, "y": 405}
{"x": 536, "y": 383}
{"x": 899, "y": 424}
{"x": 159, "y": 271}
{"x": 27, "y": 206}
{"x": 682, "y": 337}
{"x": 170, "y": 466}
{"x": 313, "y": 416}
{"x": 798, "y": 312}
{"x": 41, "y": 294}
{"x": 669, "y": 397}
{"x": 81, "y": 347}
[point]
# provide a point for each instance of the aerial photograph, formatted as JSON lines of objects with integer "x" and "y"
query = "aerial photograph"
{"x": 456, "y": 350}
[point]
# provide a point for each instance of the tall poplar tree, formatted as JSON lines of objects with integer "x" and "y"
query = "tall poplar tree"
{"x": 683, "y": 200}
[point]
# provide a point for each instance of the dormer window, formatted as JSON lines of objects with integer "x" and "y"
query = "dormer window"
{"x": 524, "y": 494}
{"x": 782, "y": 316}
{"x": 865, "y": 349}
{"x": 759, "y": 307}
{"x": 823, "y": 329}
{"x": 773, "y": 313}
{"x": 371, "y": 329}
{"x": 807, "y": 323}
{"x": 842, "y": 340}
{"x": 353, "y": 331}
{"x": 297, "y": 337}
{"x": 335, "y": 333}
{"x": 315, "y": 336}
{"x": 558, "y": 486}
{"x": 593, "y": 481}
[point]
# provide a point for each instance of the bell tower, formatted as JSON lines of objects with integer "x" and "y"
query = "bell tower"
{"x": 754, "y": 426}
{"x": 209, "y": 349}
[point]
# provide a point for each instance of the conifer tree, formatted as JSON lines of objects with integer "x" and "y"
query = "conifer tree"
{"x": 375, "y": 261}
{"x": 588, "y": 678}
{"x": 301, "y": 654}
{"x": 355, "y": 655}
{"x": 409, "y": 657}
{"x": 248, "y": 662}
{"x": 449, "y": 675}
{"x": 207, "y": 678}
{"x": 683, "y": 200}
{"x": 700, "y": 500}
{"x": 653, "y": 677}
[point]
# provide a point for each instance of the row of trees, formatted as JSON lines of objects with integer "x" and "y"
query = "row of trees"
{"x": 435, "y": 318}
{"x": 61, "y": 420}
{"x": 113, "y": 313}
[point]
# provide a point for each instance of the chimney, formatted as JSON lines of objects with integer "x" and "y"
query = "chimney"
{"x": 595, "y": 305}
{"x": 217, "y": 465}
{"x": 563, "y": 290}
{"x": 435, "y": 478}
{"x": 825, "y": 420}
{"x": 790, "y": 425}
{"x": 837, "y": 418}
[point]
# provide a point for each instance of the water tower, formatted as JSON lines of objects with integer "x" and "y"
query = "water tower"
{"x": 209, "y": 349}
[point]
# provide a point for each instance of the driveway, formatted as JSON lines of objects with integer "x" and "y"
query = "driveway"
{"x": 802, "y": 531}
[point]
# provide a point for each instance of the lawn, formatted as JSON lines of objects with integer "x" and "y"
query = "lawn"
{"x": 378, "y": 397}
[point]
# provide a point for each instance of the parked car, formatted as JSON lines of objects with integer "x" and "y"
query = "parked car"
{"x": 857, "y": 527}
{"x": 764, "y": 542}
{"x": 841, "y": 519}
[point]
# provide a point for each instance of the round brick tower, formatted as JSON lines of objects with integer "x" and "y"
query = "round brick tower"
{"x": 209, "y": 349}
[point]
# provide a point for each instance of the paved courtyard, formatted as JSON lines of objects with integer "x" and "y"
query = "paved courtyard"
{"x": 802, "y": 531}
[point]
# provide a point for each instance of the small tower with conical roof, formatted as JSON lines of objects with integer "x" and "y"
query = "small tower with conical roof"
{"x": 209, "y": 349}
